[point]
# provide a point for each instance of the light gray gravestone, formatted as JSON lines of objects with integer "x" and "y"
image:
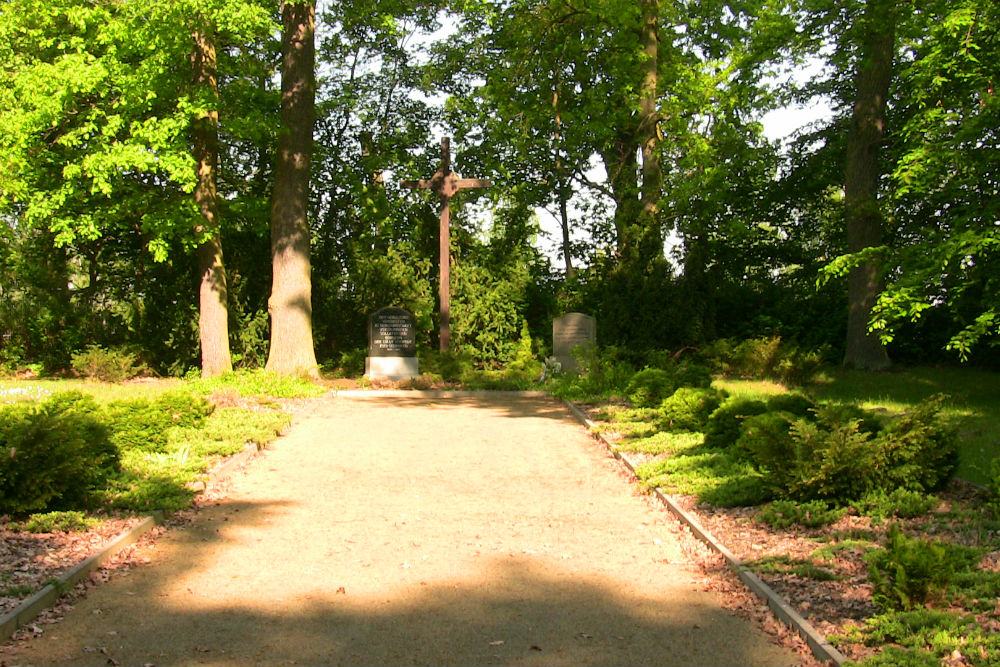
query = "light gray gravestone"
{"x": 573, "y": 334}
{"x": 392, "y": 345}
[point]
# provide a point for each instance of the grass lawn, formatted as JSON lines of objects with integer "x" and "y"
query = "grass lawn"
{"x": 104, "y": 392}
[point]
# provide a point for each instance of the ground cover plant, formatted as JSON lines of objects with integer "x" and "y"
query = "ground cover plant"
{"x": 841, "y": 496}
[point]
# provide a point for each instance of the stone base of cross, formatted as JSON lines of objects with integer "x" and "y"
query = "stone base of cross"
{"x": 446, "y": 184}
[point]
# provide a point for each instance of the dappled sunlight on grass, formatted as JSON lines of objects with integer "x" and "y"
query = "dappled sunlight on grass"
{"x": 753, "y": 389}
{"x": 662, "y": 443}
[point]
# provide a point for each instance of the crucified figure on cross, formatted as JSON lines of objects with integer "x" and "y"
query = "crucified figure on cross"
{"x": 446, "y": 184}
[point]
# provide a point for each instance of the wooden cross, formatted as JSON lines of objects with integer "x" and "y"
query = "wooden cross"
{"x": 446, "y": 184}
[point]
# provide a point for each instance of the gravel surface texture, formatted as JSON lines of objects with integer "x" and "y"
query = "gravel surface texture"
{"x": 406, "y": 530}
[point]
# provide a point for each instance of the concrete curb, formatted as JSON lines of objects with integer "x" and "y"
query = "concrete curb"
{"x": 50, "y": 593}
{"x": 821, "y": 648}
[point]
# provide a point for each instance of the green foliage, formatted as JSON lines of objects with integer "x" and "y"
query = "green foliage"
{"x": 117, "y": 365}
{"x": 910, "y": 572}
{"x": 715, "y": 477}
{"x": 70, "y": 521}
{"x": 792, "y": 403}
{"x": 859, "y": 543}
{"x": 766, "y": 438}
{"x": 145, "y": 424}
{"x": 690, "y": 374}
{"x": 648, "y": 387}
{"x": 604, "y": 373}
{"x": 643, "y": 441}
{"x": 765, "y": 358}
{"x": 810, "y": 514}
{"x": 250, "y": 383}
{"x": 723, "y": 427}
{"x": 900, "y": 502}
{"x": 922, "y": 637}
{"x": 843, "y": 453}
{"x": 800, "y": 567}
{"x": 350, "y": 363}
{"x": 921, "y": 448}
{"x": 53, "y": 454}
{"x": 688, "y": 409}
{"x": 893, "y": 656}
{"x": 488, "y": 306}
{"x": 451, "y": 366}
{"x": 994, "y": 487}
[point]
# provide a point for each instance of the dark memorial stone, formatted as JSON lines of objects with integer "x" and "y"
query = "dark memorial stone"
{"x": 573, "y": 334}
{"x": 392, "y": 333}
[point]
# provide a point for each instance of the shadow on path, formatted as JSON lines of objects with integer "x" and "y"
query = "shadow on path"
{"x": 399, "y": 531}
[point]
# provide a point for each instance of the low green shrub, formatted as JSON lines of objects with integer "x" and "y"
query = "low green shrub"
{"x": 811, "y": 514}
{"x": 798, "y": 367}
{"x": 901, "y": 503}
{"x": 792, "y": 403}
{"x": 893, "y": 656}
{"x": 688, "y": 409}
{"x": 690, "y": 374}
{"x": 766, "y": 439}
{"x": 603, "y": 373}
{"x": 841, "y": 453}
{"x": 714, "y": 476}
{"x": 723, "y": 426}
{"x": 921, "y": 448}
{"x": 349, "y": 363}
{"x": 910, "y": 572}
{"x": 649, "y": 387}
{"x": 53, "y": 454}
{"x": 800, "y": 567}
{"x": 108, "y": 365}
{"x": 71, "y": 521}
{"x": 145, "y": 425}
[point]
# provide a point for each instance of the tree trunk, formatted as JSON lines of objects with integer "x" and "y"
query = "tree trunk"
{"x": 290, "y": 305}
{"x": 213, "y": 310}
{"x": 621, "y": 164}
{"x": 562, "y": 187}
{"x": 863, "y": 349}
{"x": 637, "y": 220}
{"x": 650, "y": 237}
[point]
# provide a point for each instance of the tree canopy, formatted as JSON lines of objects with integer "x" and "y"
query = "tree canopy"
{"x": 632, "y": 133}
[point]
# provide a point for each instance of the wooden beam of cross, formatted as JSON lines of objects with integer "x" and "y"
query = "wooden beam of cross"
{"x": 446, "y": 184}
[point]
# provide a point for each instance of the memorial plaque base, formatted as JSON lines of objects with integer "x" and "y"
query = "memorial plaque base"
{"x": 391, "y": 368}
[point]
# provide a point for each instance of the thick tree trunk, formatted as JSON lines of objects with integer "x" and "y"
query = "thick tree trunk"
{"x": 213, "y": 312}
{"x": 290, "y": 305}
{"x": 863, "y": 349}
{"x": 621, "y": 163}
{"x": 650, "y": 237}
{"x": 637, "y": 220}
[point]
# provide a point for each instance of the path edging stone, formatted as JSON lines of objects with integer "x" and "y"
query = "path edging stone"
{"x": 45, "y": 598}
{"x": 821, "y": 648}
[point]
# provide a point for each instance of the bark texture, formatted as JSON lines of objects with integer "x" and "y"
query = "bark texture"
{"x": 864, "y": 350}
{"x": 290, "y": 305}
{"x": 213, "y": 312}
{"x": 650, "y": 238}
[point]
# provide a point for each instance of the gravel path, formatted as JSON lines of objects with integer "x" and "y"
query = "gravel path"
{"x": 412, "y": 531}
